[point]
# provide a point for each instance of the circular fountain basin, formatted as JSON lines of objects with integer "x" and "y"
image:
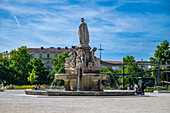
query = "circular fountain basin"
{"x": 54, "y": 92}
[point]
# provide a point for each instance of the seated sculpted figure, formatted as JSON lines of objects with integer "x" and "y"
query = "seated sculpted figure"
{"x": 81, "y": 58}
{"x": 72, "y": 58}
{"x": 92, "y": 54}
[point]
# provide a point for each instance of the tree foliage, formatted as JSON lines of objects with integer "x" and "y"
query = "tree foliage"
{"x": 107, "y": 70}
{"x": 58, "y": 66}
{"x": 161, "y": 53}
{"x": 18, "y": 69}
{"x": 128, "y": 59}
{"x": 58, "y": 63}
{"x": 41, "y": 71}
{"x": 1, "y": 55}
{"x": 130, "y": 69}
{"x": 33, "y": 77}
{"x": 4, "y": 70}
{"x": 18, "y": 61}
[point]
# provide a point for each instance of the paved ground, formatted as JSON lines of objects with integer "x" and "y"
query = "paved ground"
{"x": 17, "y": 102}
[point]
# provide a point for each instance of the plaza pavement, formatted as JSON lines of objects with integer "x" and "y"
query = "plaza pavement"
{"x": 15, "y": 101}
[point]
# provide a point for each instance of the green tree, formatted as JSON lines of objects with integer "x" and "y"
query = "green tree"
{"x": 104, "y": 70}
{"x": 58, "y": 64}
{"x": 161, "y": 53}
{"x": 128, "y": 59}
{"x": 18, "y": 61}
{"x": 40, "y": 70}
{"x": 130, "y": 69}
{"x": 33, "y": 77}
{"x": 6, "y": 72}
{"x": 113, "y": 79}
{"x": 0, "y": 55}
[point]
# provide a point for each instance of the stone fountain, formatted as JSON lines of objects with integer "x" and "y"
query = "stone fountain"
{"x": 82, "y": 77}
{"x": 82, "y": 67}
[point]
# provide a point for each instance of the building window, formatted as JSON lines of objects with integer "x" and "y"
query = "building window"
{"x": 32, "y": 55}
{"x": 40, "y": 55}
{"x": 48, "y": 64}
{"x": 48, "y": 55}
{"x": 56, "y": 55}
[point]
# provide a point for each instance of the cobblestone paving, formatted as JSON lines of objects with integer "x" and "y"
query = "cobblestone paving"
{"x": 15, "y": 101}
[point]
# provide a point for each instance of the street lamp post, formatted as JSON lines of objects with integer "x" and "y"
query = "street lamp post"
{"x": 142, "y": 69}
{"x": 100, "y": 51}
{"x": 167, "y": 56}
{"x": 158, "y": 72}
{"x": 123, "y": 74}
{"x": 143, "y": 93}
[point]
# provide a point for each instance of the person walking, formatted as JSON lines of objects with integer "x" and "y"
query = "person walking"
{"x": 35, "y": 86}
{"x": 142, "y": 88}
{"x": 39, "y": 86}
{"x": 135, "y": 88}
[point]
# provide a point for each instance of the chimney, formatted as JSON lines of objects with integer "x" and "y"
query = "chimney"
{"x": 66, "y": 47}
{"x": 51, "y": 47}
{"x": 73, "y": 47}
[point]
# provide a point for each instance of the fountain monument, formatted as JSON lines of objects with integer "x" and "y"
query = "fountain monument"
{"x": 82, "y": 67}
{"x": 82, "y": 77}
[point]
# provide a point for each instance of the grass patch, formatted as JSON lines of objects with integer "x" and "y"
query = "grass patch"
{"x": 159, "y": 88}
{"x": 149, "y": 90}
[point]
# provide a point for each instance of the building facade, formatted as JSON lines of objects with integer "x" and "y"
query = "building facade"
{"x": 6, "y": 54}
{"x": 118, "y": 64}
{"x": 46, "y": 54}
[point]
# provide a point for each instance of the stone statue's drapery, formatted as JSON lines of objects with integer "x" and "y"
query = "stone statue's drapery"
{"x": 83, "y": 34}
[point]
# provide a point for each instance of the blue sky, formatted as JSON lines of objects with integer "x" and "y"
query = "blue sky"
{"x": 123, "y": 27}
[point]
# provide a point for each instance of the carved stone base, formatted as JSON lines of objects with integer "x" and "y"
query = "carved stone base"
{"x": 85, "y": 70}
{"x": 88, "y": 82}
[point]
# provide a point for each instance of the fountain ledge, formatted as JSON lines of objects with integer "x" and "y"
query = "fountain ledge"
{"x": 80, "y": 93}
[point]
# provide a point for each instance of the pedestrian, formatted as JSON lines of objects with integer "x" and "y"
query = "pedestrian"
{"x": 135, "y": 88}
{"x": 142, "y": 88}
{"x": 35, "y": 86}
{"x": 131, "y": 87}
{"x": 39, "y": 86}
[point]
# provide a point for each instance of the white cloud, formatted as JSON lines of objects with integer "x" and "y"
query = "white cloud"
{"x": 139, "y": 1}
{"x": 17, "y": 21}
